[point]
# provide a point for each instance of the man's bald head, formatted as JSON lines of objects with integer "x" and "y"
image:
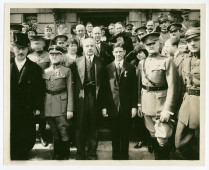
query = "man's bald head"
{"x": 80, "y": 29}
{"x": 97, "y": 33}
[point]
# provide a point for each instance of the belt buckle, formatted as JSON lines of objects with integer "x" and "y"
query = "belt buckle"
{"x": 147, "y": 88}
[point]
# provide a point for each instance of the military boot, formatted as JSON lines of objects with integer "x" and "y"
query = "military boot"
{"x": 57, "y": 150}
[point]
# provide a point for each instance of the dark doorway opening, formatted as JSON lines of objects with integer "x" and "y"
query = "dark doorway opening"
{"x": 102, "y": 18}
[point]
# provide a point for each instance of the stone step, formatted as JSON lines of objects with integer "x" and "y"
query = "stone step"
{"x": 104, "y": 152}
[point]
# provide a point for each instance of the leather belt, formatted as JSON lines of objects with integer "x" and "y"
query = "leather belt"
{"x": 195, "y": 92}
{"x": 155, "y": 88}
{"x": 56, "y": 92}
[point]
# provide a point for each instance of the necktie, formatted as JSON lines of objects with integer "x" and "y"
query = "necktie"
{"x": 119, "y": 69}
{"x": 98, "y": 49}
{"x": 89, "y": 60}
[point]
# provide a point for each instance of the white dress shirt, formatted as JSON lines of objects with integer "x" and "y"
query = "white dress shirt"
{"x": 121, "y": 63}
{"x": 20, "y": 64}
{"x": 91, "y": 57}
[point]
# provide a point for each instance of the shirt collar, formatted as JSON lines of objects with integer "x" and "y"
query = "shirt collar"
{"x": 92, "y": 57}
{"x": 20, "y": 64}
{"x": 121, "y": 63}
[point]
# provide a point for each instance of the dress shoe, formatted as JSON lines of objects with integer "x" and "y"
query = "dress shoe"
{"x": 44, "y": 142}
{"x": 139, "y": 144}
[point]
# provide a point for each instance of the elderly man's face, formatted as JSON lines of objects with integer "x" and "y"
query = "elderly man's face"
{"x": 194, "y": 44}
{"x": 97, "y": 34}
{"x": 153, "y": 47}
{"x": 55, "y": 57}
{"x": 88, "y": 47}
{"x": 80, "y": 31}
{"x": 118, "y": 28}
{"x": 20, "y": 52}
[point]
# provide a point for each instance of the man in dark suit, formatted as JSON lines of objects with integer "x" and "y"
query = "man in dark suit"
{"x": 87, "y": 71}
{"x": 102, "y": 50}
{"x": 89, "y": 28}
{"x": 26, "y": 98}
{"x": 121, "y": 101}
{"x": 81, "y": 36}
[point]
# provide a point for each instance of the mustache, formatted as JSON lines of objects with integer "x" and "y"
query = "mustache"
{"x": 21, "y": 54}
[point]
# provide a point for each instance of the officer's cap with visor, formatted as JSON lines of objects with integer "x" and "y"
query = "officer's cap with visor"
{"x": 142, "y": 29}
{"x": 192, "y": 32}
{"x": 55, "y": 49}
{"x": 65, "y": 37}
{"x": 150, "y": 38}
{"x": 37, "y": 38}
{"x": 174, "y": 27}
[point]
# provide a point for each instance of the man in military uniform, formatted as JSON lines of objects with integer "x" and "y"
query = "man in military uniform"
{"x": 129, "y": 28}
{"x": 40, "y": 57}
{"x": 58, "y": 102}
{"x": 140, "y": 32}
{"x": 175, "y": 30}
{"x": 47, "y": 37}
{"x": 62, "y": 41}
{"x": 164, "y": 34}
{"x": 26, "y": 98}
{"x": 157, "y": 87}
{"x": 187, "y": 133}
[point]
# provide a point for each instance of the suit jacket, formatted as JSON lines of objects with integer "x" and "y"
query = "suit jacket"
{"x": 120, "y": 92}
{"x": 78, "y": 69}
{"x": 104, "y": 54}
{"x": 27, "y": 94}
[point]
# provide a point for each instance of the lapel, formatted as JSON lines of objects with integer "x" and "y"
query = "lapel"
{"x": 24, "y": 72}
{"x": 123, "y": 68}
{"x": 179, "y": 59}
{"x": 13, "y": 71}
{"x": 81, "y": 68}
{"x": 113, "y": 69}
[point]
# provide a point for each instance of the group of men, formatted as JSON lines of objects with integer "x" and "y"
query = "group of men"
{"x": 101, "y": 81}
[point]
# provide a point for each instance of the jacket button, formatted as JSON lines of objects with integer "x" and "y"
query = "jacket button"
{"x": 52, "y": 86}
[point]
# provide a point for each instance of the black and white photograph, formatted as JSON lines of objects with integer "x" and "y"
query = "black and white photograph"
{"x": 107, "y": 82}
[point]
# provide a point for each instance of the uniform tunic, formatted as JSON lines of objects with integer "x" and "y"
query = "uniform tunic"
{"x": 161, "y": 71}
{"x": 58, "y": 78}
{"x": 187, "y": 133}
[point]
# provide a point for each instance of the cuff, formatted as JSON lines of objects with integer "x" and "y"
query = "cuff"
{"x": 139, "y": 105}
{"x": 171, "y": 113}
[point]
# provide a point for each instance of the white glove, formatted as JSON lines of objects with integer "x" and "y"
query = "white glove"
{"x": 69, "y": 115}
{"x": 165, "y": 116}
{"x": 104, "y": 112}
